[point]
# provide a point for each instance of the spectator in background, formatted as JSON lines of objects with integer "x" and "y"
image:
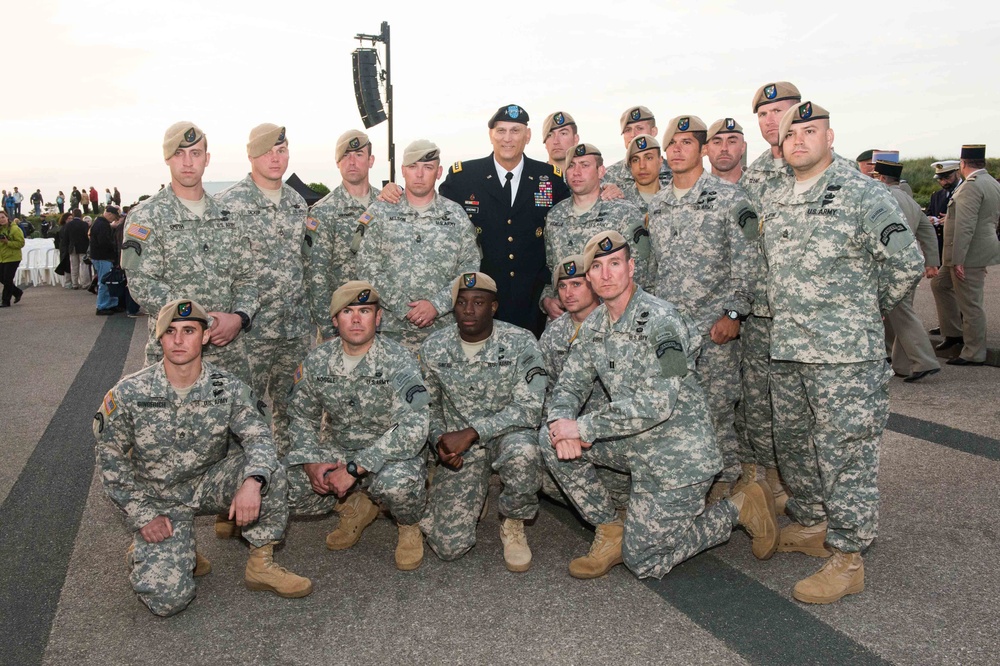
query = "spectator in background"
{"x": 94, "y": 200}
{"x": 27, "y": 228}
{"x": 18, "y": 198}
{"x": 132, "y": 308}
{"x": 11, "y": 242}
{"x": 8, "y": 204}
{"x": 108, "y": 199}
{"x": 61, "y": 202}
{"x": 75, "y": 199}
{"x": 104, "y": 256}
{"x": 63, "y": 268}
{"x": 37, "y": 201}
{"x": 76, "y": 241}
{"x": 116, "y": 198}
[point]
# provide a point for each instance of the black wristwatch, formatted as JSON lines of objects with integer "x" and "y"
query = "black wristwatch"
{"x": 245, "y": 321}
{"x": 259, "y": 479}
{"x": 352, "y": 469}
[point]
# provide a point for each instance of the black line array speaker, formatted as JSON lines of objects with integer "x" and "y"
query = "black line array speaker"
{"x": 366, "y": 93}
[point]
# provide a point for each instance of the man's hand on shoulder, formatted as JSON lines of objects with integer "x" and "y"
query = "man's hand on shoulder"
{"x": 553, "y": 307}
{"x": 391, "y": 193}
{"x": 225, "y": 327}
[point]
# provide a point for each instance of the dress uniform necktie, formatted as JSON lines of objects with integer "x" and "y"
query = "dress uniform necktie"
{"x": 506, "y": 187}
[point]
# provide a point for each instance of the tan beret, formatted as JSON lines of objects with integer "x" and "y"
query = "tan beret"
{"x": 354, "y": 292}
{"x": 556, "y": 120}
{"x": 775, "y": 92}
{"x": 180, "y": 135}
{"x": 350, "y": 141}
{"x": 682, "y": 124}
{"x": 724, "y": 126}
{"x": 421, "y": 150}
{"x": 635, "y": 114}
{"x": 573, "y": 266}
{"x": 800, "y": 113}
{"x": 945, "y": 166}
{"x": 181, "y": 309}
{"x": 640, "y": 144}
{"x": 602, "y": 244}
{"x": 265, "y": 137}
{"x": 478, "y": 281}
{"x": 579, "y": 150}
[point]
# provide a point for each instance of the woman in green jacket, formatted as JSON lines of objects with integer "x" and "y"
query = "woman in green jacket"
{"x": 11, "y": 242}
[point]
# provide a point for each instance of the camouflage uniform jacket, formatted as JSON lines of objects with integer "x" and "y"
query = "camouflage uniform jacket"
{"x": 277, "y": 239}
{"x": 838, "y": 255}
{"x": 620, "y": 174}
{"x": 501, "y": 390}
{"x": 332, "y": 223}
{"x": 646, "y": 361}
{"x": 410, "y": 256}
{"x": 554, "y": 345}
{"x": 379, "y": 409}
{"x": 169, "y": 253}
{"x": 567, "y": 233}
{"x": 761, "y": 177}
{"x": 703, "y": 249}
{"x": 153, "y": 447}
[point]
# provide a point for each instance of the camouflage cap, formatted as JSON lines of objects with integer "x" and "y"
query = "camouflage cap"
{"x": 354, "y": 292}
{"x": 640, "y": 144}
{"x": 891, "y": 169}
{"x": 682, "y": 124}
{"x": 573, "y": 266}
{"x": 602, "y": 244}
{"x": 635, "y": 114}
{"x": 181, "y": 309}
{"x": 554, "y": 121}
{"x": 973, "y": 152}
{"x": 511, "y": 113}
{"x": 350, "y": 141}
{"x": 945, "y": 167}
{"x": 263, "y": 138}
{"x": 724, "y": 126}
{"x": 180, "y": 135}
{"x": 421, "y": 150}
{"x": 801, "y": 113}
{"x": 579, "y": 150}
{"x": 775, "y": 92}
{"x": 471, "y": 281}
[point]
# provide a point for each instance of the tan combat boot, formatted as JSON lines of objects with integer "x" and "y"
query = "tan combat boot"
{"x": 605, "y": 553}
{"x": 756, "y": 504}
{"x": 843, "y": 574}
{"x": 811, "y": 540}
{"x": 719, "y": 491}
{"x": 773, "y": 480}
{"x": 748, "y": 474}
{"x": 516, "y": 554}
{"x": 262, "y": 574}
{"x": 356, "y": 513}
{"x": 225, "y": 528}
{"x": 409, "y": 548}
{"x": 202, "y": 566}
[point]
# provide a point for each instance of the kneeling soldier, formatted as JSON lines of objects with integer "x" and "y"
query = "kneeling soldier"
{"x": 162, "y": 440}
{"x": 375, "y": 402}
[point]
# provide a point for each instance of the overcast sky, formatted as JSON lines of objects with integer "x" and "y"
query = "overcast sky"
{"x": 91, "y": 86}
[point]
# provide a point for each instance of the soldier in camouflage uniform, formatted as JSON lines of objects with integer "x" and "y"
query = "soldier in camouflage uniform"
{"x": 559, "y": 134}
{"x": 725, "y": 149}
{"x": 181, "y": 243}
{"x": 571, "y": 222}
{"x": 839, "y": 253}
{"x": 274, "y": 217}
{"x": 487, "y": 382}
{"x": 180, "y": 439}
{"x": 643, "y": 352}
{"x": 702, "y": 229}
{"x": 333, "y": 224}
{"x": 579, "y": 300}
{"x": 635, "y": 120}
{"x": 375, "y": 401}
{"x": 644, "y": 157}
{"x": 434, "y": 236}
{"x": 753, "y": 415}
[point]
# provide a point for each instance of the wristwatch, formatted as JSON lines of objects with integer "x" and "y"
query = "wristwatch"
{"x": 352, "y": 469}
{"x": 245, "y": 321}
{"x": 259, "y": 479}
{"x": 735, "y": 316}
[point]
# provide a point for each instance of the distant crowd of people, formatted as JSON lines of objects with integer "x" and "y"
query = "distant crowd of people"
{"x": 88, "y": 200}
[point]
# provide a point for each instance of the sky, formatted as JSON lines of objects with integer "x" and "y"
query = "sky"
{"x": 93, "y": 85}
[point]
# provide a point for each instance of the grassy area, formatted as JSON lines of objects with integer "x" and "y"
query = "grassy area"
{"x": 920, "y": 175}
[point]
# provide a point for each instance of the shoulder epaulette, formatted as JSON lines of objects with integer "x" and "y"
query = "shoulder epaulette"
{"x": 556, "y": 170}
{"x": 456, "y": 167}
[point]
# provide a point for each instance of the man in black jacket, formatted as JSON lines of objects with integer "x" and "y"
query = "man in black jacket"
{"x": 104, "y": 256}
{"x": 74, "y": 242}
{"x": 507, "y": 197}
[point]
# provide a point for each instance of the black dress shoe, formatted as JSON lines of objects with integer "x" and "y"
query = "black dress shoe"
{"x": 119, "y": 308}
{"x": 949, "y": 342}
{"x": 105, "y": 312}
{"x": 917, "y": 376}
{"x": 17, "y": 299}
{"x": 934, "y": 331}
{"x": 4, "y": 305}
{"x": 961, "y": 361}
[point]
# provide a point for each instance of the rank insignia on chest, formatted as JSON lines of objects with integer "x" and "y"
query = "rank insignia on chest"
{"x": 312, "y": 223}
{"x": 138, "y": 231}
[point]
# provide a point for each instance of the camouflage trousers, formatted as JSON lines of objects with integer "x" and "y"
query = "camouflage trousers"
{"x": 828, "y": 421}
{"x": 401, "y": 485}
{"x": 162, "y": 573}
{"x": 664, "y": 528}
{"x": 753, "y": 415}
{"x": 719, "y": 374}
{"x": 231, "y": 358}
{"x": 456, "y": 497}
{"x": 272, "y": 365}
{"x": 582, "y": 481}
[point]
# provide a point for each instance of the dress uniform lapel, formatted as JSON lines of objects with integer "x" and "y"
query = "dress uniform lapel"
{"x": 524, "y": 190}
{"x": 494, "y": 185}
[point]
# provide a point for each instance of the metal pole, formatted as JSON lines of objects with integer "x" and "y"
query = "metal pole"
{"x": 388, "y": 96}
